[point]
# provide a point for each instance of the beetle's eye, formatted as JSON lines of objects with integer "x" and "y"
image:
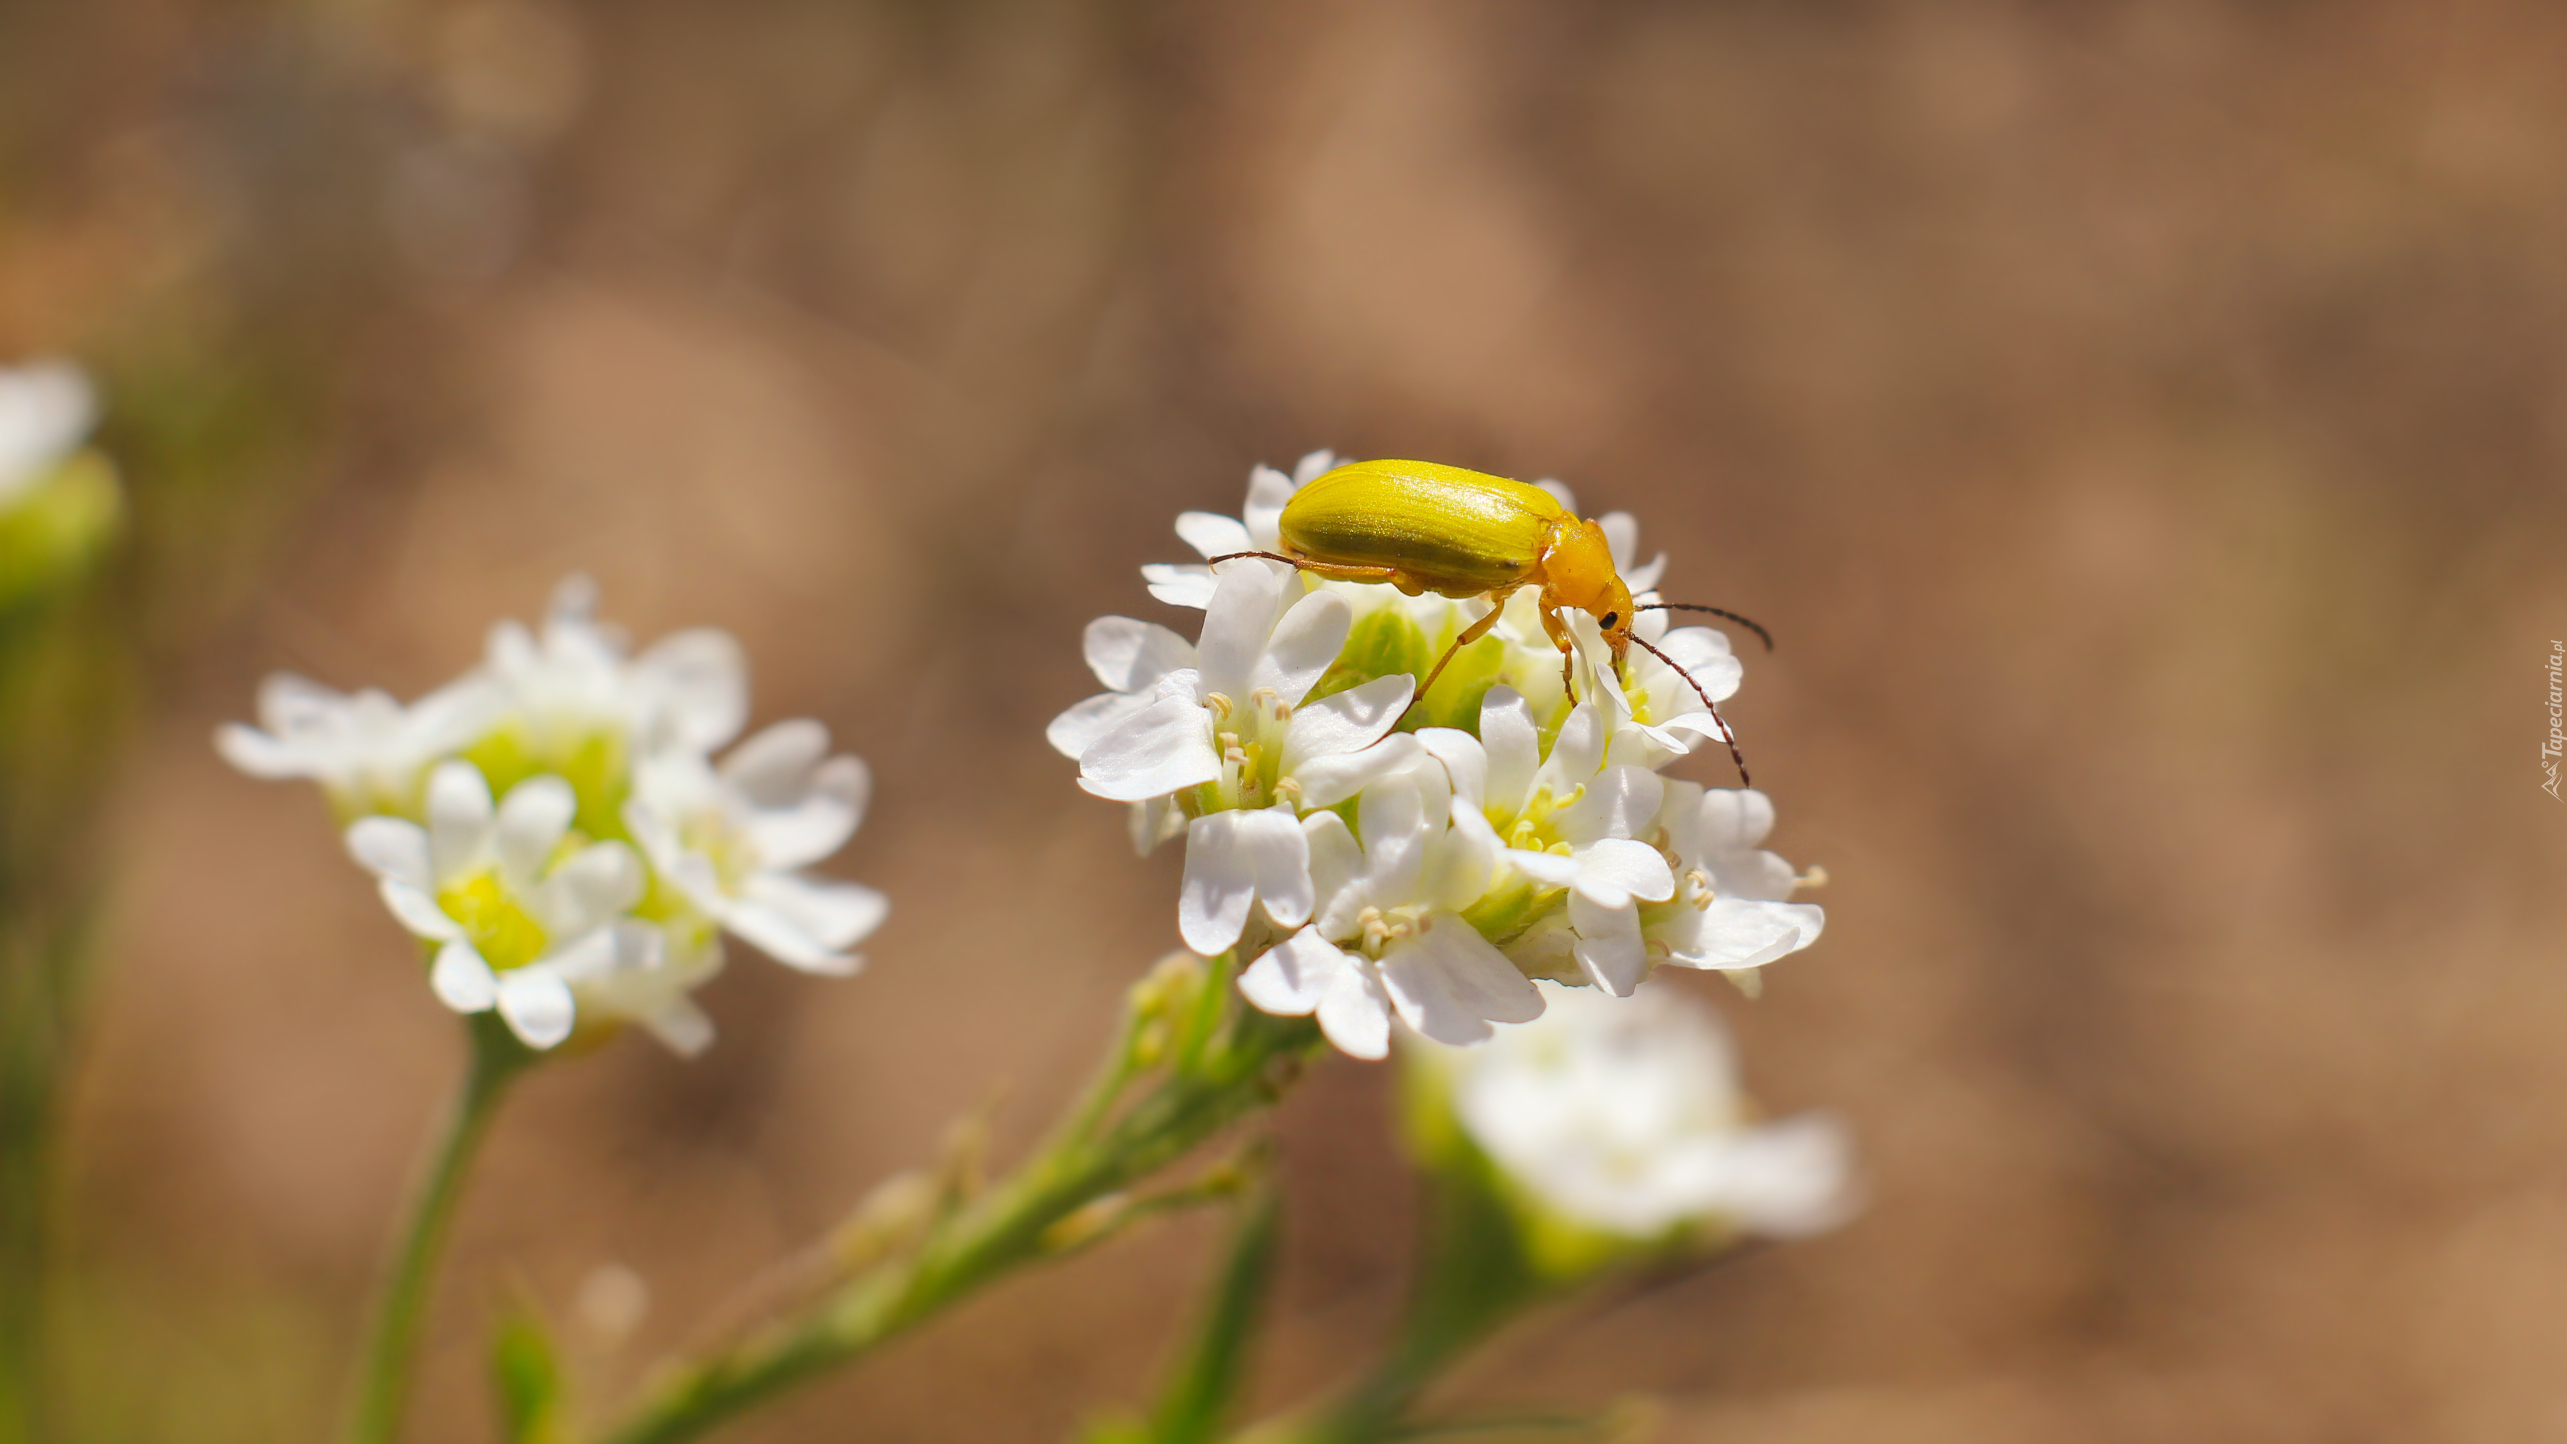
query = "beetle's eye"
{"x": 1611, "y": 617}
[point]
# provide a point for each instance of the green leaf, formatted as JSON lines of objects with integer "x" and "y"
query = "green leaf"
{"x": 528, "y": 1374}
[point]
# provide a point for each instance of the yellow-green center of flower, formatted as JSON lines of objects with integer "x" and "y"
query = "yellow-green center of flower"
{"x": 503, "y": 932}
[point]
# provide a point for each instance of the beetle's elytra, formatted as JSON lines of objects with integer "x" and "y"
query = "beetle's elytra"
{"x": 1422, "y": 526}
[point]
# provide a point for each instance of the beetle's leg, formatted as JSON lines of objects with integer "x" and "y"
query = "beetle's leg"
{"x": 1568, "y": 646}
{"x": 1333, "y": 571}
{"x": 1469, "y": 634}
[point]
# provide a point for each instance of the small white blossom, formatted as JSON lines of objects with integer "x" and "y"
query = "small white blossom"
{"x": 366, "y": 750}
{"x": 46, "y": 410}
{"x": 1563, "y": 853}
{"x": 1624, "y": 1115}
{"x": 524, "y": 919}
{"x": 1388, "y": 936}
{"x": 1732, "y": 908}
{"x": 734, "y": 838}
{"x": 597, "y": 891}
{"x": 1227, "y": 738}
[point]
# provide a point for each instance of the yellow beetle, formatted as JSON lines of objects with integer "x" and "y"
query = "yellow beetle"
{"x": 1425, "y": 527}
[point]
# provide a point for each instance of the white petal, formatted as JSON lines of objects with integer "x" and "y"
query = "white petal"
{"x": 260, "y": 755}
{"x": 1790, "y": 1179}
{"x": 1734, "y": 821}
{"x": 393, "y": 849}
{"x": 1548, "y": 868}
{"x": 1327, "y": 781}
{"x": 459, "y": 818}
{"x": 1305, "y": 644}
{"x": 418, "y": 912}
{"x": 1290, "y": 978}
{"x": 683, "y": 1026}
{"x": 1514, "y": 746}
{"x": 537, "y": 1005}
{"x": 1220, "y": 881}
{"x": 840, "y": 914}
{"x": 1312, "y": 466}
{"x": 1449, "y": 983}
{"x": 1079, "y": 728}
{"x": 1576, "y": 753}
{"x": 817, "y": 823}
{"x": 1237, "y": 625}
{"x": 1465, "y": 860}
{"x": 1355, "y": 1014}
{"x": 807, "y": 922}
{"x": 1347, "y": 721}
{"x": 701, "y": 679}
{"x": 1336, "y": 861}
{"x": 461, "y": 980}
{"x": 1212, "y": 535}
{"x": 1268, "y": 491}
{"x": 1621, "y": 802}
{"x": 1560, "y": 491}
{"x": 773, "y": 768}
{"x": 1609, "y": 947}
{"x": 1179, "y": 585}
{"x": 1465, "y": 761}
{"x": 1162, "y": 748}
{"x": 1613, "y": 872}
{"x": 590, "y": 888}
{"x": 533, "y": 818}
{"x": 1734, "y": 933}
{"x": 1621, "y": 537}
{"x": 1393, "y": 819}
{"x": 1152, "y": 821}
{"x": 1131, "y": 656}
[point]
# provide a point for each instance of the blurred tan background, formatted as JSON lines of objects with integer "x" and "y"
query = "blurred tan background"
{"x": 2142, "y": 424}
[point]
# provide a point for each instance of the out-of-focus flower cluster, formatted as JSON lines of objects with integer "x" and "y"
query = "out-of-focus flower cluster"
{"x": 1379, "y": 861}
{"x": 1619, "y": 1122}
{"x": 556, "y": 830}
{"x": 59, "y": 502}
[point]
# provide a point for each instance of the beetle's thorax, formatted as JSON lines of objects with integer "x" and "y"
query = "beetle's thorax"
{"x": 1577, "y": 571}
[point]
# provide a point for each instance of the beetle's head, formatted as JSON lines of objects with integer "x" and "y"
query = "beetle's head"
{"x": 1580, "y": 574}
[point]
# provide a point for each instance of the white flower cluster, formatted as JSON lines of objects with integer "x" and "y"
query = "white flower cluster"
{"x": 1624, "y": 1116}
{"x": 1379, "y": 861}
{"x": 46, "y": 410}
{"x": 554, "y": 827}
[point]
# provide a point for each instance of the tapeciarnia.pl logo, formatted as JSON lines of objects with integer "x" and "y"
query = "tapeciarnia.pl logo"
{"x": 2550, "y": 750}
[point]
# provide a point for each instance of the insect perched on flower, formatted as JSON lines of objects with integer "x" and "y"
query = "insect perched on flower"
{"x": 1425, "y": 527}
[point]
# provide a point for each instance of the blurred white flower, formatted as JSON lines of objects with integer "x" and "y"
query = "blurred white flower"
{"x": 525, "y": 919}
{"x": 46, "y": 410}
{"x": 1388, "y": 936}
{"x": 734, "y": 837}
{"x": 366, "y": 750}
{"x": 597, "y": 891}
{"x": 1624, "y": 1115}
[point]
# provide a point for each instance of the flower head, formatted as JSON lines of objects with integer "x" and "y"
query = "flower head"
{"x": 59, "y": 503}
{"x": 1374, "y": 860}
{"x": 553, "y": 826}
{"x": 1623, "y": 1116}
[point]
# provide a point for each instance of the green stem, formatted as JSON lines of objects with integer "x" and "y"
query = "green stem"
{"x": 1206, "y": 1379}
{"x": 383, "y": 1389}
{"x": 1218, "y": 1064}
{"x": 1472, "y": 1280}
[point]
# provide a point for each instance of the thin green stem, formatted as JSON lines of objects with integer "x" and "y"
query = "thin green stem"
{"x": 1205, "y": 1383}
{"x": 383, "y": 1388}
{"x": 1213, "y": 1064}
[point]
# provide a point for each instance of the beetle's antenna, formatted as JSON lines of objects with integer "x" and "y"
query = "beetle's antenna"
{"x": 1766, "y": 637}
{"x": 1725, "y": 734}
